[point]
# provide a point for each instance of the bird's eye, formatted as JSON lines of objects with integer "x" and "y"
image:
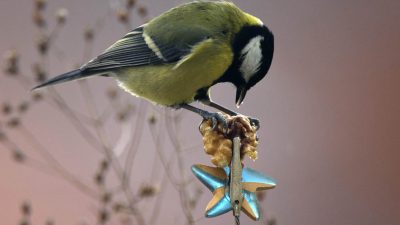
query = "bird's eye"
{"x": 224, "y": 32}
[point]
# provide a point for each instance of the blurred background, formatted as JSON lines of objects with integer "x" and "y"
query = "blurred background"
{"x": 329, "y": 112}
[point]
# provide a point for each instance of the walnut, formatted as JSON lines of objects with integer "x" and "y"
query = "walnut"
{"x": 218, "y": 143}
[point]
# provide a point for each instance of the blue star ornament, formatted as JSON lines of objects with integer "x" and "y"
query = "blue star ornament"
{"x": 217, "y": 181}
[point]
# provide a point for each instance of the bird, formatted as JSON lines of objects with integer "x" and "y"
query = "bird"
{"x": 174, "y": 59}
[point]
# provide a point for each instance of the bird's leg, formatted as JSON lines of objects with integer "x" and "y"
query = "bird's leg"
{"x": 217, "y": 106}
{"x": 215, "y": 117}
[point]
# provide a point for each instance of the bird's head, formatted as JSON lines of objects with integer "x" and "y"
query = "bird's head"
{"x": 253, "y": 48}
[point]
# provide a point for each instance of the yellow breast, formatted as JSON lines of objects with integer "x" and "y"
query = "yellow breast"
{"x": 173, "y": 84}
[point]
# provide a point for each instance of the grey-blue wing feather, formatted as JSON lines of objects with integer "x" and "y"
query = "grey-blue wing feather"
{"x": 132, "y": 50}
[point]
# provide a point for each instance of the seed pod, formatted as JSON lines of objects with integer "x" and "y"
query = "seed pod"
{"x": 39, "y": 72}
{"x": 23, "y": 107}
{"x": 142, "y": 11}
{"x": 11, "y": 62}
{"x": 147, "y": 191}
{"x": 26, "y": 209}
{"x": 152, "y": 119}
{"x": 13, "y": 122}
{"x": 106, "y": 197}
{"x": 40, "y": 4}
{"x": 37, "y": 96}
{"x": 61, "y": 15}
{"x": 99, "y": 178}
{"x": 43, "y": 45}
{"x": 123, "y": 16}
{"x": 6, "y": 108}
{"x": 130, "y": 3}
{"x": 104, "y": 216}
{"x": 88, "y": 34}
{"x": 218, "y": 142}
{"x": 18, "y": 156}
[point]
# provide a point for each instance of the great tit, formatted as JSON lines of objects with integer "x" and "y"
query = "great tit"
{"x": 175, "y": 58}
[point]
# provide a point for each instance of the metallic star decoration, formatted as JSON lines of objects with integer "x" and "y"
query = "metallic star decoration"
{"x": 217, "y": 181}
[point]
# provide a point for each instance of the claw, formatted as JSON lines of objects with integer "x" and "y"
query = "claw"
{"x": 216, "y": 118}
{"x": 214, "y": 123}
{"x": 255, "y": 122}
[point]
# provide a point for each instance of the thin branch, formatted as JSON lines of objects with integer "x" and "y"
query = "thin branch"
{"x": 134, "y": 146}
{"x": 183, "y": 194}
{"x": 54, "y": 163}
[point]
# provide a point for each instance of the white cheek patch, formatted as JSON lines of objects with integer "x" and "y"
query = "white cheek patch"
{"x": 251, "y": 56}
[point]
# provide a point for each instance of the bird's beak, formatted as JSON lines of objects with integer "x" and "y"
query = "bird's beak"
{"x": 240, "y": 94}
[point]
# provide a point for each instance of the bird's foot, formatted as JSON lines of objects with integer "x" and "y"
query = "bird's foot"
{"x": 216, "y": 118}
{"x": 255, "y": 122}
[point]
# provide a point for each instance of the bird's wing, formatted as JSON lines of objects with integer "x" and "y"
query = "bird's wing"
{"x": 138, "y": 48}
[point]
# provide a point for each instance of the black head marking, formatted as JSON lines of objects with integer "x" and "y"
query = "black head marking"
{"x": 267, "y": 49}
{"x": 233, "y": 74}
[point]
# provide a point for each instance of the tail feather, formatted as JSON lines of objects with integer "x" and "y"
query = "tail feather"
{"x": 72, "y": 75}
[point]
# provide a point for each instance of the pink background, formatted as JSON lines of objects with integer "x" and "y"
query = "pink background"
{"x": 329, "y": 110}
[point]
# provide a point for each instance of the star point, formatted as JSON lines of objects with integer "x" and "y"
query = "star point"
{"x": 217, "y": 181}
